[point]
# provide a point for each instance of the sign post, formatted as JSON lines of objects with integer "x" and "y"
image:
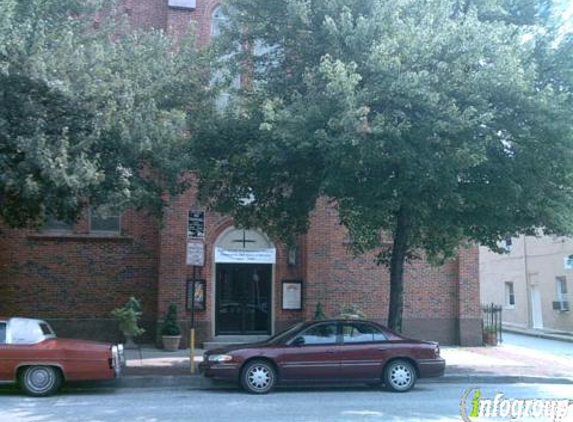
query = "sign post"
{"x": 192, "y": 333}
{"x": 196, "y": 258}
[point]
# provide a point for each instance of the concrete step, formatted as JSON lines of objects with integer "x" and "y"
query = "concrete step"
{"x": 222, "y": 341}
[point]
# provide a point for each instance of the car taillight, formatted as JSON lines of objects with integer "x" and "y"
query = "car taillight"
{"x": 437, "y": 350}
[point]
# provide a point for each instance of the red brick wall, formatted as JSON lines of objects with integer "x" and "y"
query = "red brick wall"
{"x": 77, "y": 280}
{"x": 81, "y": 277}
{"x": 440, "y": 303}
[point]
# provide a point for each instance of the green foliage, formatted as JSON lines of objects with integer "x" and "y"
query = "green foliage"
{"x": 351, "y": 311}
{"x": 491, "y": 329}
{"x": 319, "y": 314}
{"x": 90, "y": 115}
{"x": 431, "y": 123}
{"x": 170, "y": 326}
{"x": 128, "y": 317}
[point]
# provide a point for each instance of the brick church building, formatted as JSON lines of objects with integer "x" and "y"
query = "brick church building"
{"x": 248, "y": 285}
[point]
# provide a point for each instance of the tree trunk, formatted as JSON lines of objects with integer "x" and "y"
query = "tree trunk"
{"x": 399, "y": 251}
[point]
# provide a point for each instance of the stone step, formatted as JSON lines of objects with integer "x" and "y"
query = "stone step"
{"x": 222, "y": 341}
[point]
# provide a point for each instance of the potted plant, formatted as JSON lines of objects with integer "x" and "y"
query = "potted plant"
{"x": 351, "y": 311}
{"x": 490, "y": 335}
{"x": 319, "y": 312}
{"x": 170, "y": 331}
{"x": 128, "y": 317}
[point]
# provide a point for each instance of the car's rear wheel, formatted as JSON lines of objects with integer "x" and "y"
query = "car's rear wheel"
{"x": 399, "y": 376}
{"x": 40, "y": 381}
{"x": 258, "y": 377}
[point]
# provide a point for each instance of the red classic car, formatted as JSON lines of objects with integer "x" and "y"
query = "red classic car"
{"x": 32, "y": 356}
{"x": 327, "y": 351}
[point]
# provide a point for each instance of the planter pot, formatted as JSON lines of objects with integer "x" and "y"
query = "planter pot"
{"x": 129, "y": 343}
{"x": 490, "y": 339}
{"x": 171, "y": 343}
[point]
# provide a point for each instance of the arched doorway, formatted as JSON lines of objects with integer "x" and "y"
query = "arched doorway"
{"x": 244, "y": 262}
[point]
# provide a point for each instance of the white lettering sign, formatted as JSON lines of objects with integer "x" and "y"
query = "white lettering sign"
{"x": 195, "y": 254}
{"x": 184, "y": 4}
{"x": 245, "y": 256}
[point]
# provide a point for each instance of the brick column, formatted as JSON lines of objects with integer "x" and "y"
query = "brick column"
{"x": 470, "y": 331}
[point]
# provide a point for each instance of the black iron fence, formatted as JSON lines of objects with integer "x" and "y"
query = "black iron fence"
{"x": 491, "y": 323}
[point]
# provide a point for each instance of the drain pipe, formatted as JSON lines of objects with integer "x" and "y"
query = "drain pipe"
{"x": 527, "y": 281}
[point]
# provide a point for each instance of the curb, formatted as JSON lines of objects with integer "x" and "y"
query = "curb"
{"x": 195, "y": 382}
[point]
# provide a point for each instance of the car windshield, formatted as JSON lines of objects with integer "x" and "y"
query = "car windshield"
{"x": 285, "y": 335}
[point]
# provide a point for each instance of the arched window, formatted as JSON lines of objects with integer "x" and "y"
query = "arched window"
{"x": 218, "y": 21}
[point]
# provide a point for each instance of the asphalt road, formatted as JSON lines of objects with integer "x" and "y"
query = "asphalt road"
{"x": 435, "y": 402}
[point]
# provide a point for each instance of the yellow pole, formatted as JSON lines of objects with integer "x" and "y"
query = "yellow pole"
{"x": 192, "y": 349}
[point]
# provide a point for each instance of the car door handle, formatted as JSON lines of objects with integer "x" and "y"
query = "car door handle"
{"x": 329, "y": 351}
{"x": 382, "y": 349}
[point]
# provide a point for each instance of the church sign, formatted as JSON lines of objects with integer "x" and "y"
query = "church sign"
{"x": 196, "y": 225}
{"x": 245, "y": 256}
{"x": 195, "y": 254}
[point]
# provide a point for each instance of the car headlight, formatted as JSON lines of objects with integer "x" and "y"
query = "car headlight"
{"x": 220, "y": 358}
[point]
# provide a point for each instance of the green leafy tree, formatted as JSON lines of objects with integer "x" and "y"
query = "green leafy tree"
{"x": 90, "y": 112}
{"x": 430, "y": 123}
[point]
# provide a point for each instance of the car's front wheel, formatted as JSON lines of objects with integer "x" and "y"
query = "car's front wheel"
{"x": 258, "y": 377}
{"x": 40, "y": 381}
{"x": 399, "y": 376}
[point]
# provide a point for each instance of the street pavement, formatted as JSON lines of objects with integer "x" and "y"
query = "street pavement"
{"x": 429, "y": 402}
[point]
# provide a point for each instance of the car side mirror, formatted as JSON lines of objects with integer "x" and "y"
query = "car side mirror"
{"x": 298, "y": 342}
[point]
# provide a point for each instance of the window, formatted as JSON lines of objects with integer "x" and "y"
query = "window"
{"x": 218, "y": 21}
{"x": 507, "y": 244}
{"x": 568, "y": 262}
{"x": 52, "y": 224}
{"x": 320, "y": 334}
{"x": 2, "y": 332}
{"x": 361, "y": 333}
{"x": 46, "y": 329}
{"x": 104, "y": 219}
{"x": 509, "y": 295}
{"x": 561, "y": 288}
{"x": 222, "y": 76}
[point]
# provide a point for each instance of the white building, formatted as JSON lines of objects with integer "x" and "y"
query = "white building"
{"x": 532, "y": 282}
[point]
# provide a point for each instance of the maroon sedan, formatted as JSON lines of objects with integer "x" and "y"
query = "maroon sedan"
{"x": 327, "y": 351}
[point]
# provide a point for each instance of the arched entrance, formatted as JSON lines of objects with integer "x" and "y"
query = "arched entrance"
{"x": 244, "y": 262}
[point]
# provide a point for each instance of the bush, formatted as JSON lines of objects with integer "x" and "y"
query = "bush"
{"x": 170, "y": 326}
{"x": 319, "y": 312}
{"x": 128, "y": 317}
{"x": 351, "y": 311}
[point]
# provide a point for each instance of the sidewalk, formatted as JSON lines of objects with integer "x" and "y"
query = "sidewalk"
{"x": 541, "y": 333}
{"x": 153, "y": 368}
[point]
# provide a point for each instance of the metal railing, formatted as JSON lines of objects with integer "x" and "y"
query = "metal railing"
{"x": 491, "y": 322}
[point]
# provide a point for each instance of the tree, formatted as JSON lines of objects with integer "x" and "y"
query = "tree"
{"x": 90, "y": 111}
{"x": 427, "y": 122}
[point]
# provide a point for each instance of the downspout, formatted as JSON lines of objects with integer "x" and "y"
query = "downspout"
{"x": 527, "y": 286}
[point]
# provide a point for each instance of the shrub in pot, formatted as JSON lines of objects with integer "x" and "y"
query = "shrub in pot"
{"x": 128, "y": 318}
{"x": 490, "y": 335}
{"x": 170, "y": 331}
